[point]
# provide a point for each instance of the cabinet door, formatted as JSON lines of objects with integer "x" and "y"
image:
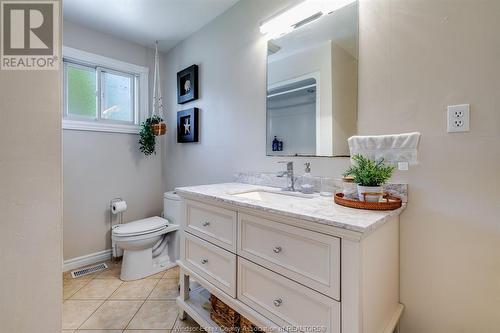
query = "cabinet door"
{"x": 286, "y": 302}
{"x": 308, "y": 257}
{"x": 216, "y": 265}
{"x": 214, "y": 224}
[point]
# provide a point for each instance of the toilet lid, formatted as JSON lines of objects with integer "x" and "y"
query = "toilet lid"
{"x": 139, "y": 227}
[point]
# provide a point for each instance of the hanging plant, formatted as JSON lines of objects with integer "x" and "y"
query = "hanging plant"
{"x": 147, "y": 138}
{"x": 153, "y": 126}
{"x": 159, "y": 128}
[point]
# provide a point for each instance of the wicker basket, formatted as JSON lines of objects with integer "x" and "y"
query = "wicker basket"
{"x": 224, "y": 316}
{"x": 159, "y": 129}
{"x": 246, "y": 326}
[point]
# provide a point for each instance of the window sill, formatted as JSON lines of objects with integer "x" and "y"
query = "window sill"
{"x": 79, "y": 125}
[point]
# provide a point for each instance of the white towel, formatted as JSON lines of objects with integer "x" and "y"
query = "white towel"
{"x": 392, "y": 148}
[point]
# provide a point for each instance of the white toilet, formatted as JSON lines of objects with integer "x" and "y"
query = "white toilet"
{"x": 149, "y": 245}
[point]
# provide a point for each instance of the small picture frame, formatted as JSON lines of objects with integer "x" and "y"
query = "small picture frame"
{"x": 187, "y": 125}
{"x": 187, "y": 85}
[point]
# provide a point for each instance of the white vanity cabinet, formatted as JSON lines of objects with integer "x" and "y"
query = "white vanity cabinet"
{"x": 283, "y": 272}
{"x": 308, "y": 257}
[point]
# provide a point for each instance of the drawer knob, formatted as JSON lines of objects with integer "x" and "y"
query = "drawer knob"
{"x": 206, "y": 224}
{"x": 277, "y": 249}
{"x": 204, "y": 261}
{"x": 278, "y": 302}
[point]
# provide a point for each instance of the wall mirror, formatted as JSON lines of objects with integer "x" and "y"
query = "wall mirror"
{"x": 312, "y": 85}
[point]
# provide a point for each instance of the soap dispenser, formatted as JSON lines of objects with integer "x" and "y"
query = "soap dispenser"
{"x": 275, "y": 144}
{"x": 307, "y": 180}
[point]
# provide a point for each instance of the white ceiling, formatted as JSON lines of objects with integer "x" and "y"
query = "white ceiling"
{"x": 144, "y": 21}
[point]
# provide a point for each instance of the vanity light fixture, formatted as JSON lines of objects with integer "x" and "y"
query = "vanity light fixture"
{"x": 300, "y": 15}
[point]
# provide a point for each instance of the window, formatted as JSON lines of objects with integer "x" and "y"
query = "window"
{"x": 118, "y": 96}
{"x": 102, "y": 94}
{"x": 81, "y": 88}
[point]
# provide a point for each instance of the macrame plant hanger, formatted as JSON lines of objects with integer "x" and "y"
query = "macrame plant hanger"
{"x": 159, "y": 126}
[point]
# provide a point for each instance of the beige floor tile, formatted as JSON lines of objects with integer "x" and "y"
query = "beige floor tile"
{"x": 97, "y": 289}
{"x": 112, "y": 315}
{"x": 113, "y": 271}
{"x": 187, "y": 325}
{"x": 70, "y": 287}
{"x": 156, "y": 276}
{"x": 67, "y": 331}
{"x": 98, "y": 331}
{"x": 147, "y": 331}
{"x": 165, "y": 289}
{"x": 155, "y": 315}
{"x": 139, "y": 289}
{"x": 172, "y": 273}
{"x": 76, "y": 312}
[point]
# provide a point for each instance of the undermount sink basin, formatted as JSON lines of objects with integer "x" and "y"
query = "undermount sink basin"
{"x": 274, "y": 197}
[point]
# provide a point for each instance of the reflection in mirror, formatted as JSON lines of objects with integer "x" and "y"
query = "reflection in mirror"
{"x": 312, "y": 85}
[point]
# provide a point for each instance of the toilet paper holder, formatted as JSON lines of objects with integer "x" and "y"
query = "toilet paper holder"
{"x": 114, "y": 248}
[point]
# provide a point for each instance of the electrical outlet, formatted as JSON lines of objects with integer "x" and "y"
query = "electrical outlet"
{"x": 458, "y": 118}
{"x": 403, "y": 166}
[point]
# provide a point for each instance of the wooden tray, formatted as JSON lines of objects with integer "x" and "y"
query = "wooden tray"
{"x": 391, "y": 202}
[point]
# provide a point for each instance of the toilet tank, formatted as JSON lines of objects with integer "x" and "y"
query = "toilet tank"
{"x": 172, "y": 211}
{"x": 172, "y": 207}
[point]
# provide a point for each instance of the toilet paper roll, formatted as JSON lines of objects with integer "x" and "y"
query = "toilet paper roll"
{"x": 118, "y": 207}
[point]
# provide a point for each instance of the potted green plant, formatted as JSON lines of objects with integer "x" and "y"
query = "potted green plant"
{"x": 147, "y": 135}
{"x": 369, "y": 175}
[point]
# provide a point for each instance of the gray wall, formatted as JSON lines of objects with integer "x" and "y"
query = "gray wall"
{"x": 231, "y": 54}
{"x": 100, "y": 166}
{"x": 416, "y": 57}
{"x": 30, "y": 202}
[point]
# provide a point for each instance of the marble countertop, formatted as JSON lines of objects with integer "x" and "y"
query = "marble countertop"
{"x": 317, "y": 209}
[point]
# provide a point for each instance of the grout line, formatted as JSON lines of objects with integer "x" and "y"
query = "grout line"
{"x": 73, "y": 294}
{"x": 176, "y": 320}
{"x": 91, "y": 313}
{"x": 105, "y": 300}
{"x": 139, "y": 309}
{"x": 135, "y": 314}
{"x": 95, "y": 299}
{"x": 157, "y": 281}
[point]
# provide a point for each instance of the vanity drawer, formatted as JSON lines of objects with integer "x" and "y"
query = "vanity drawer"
{"x": 217, "y": 225}
{"x": 308, "y": 257}
{"x": 285, "y": 302}
{"x": 216, "y": 265}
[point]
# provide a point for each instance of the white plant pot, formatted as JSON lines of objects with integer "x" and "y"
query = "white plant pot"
{"x": 370, "y": 189}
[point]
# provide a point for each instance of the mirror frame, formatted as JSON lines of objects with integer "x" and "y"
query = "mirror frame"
{"x": 266, "y": 87}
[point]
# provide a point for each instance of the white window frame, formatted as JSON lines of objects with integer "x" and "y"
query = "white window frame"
{"x": 100, "y": 63}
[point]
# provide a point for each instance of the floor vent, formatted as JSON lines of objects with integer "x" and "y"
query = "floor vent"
{"x": 88, "y": 270}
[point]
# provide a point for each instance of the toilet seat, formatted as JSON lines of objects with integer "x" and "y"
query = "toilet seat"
{"x": 140, "y": 227}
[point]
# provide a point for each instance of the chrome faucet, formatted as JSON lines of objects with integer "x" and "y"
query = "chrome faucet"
{"x": 289, "y": 174}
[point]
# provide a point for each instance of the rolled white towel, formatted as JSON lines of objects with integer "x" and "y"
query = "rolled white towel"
{"x": 392, "y": 148}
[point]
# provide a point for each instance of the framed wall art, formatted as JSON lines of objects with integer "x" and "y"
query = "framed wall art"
{"x": 187, "y": 125}
{"x": 187, "y": 85}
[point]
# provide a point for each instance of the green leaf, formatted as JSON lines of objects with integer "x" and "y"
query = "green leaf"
{"x": 368, "y": 172}
{"x": 147, "y": 139}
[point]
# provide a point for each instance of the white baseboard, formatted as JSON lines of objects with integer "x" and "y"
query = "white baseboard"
{"x": 86, "y": 260}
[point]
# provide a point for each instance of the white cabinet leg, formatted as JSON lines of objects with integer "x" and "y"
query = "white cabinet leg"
{"x": 184, "y": 291}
